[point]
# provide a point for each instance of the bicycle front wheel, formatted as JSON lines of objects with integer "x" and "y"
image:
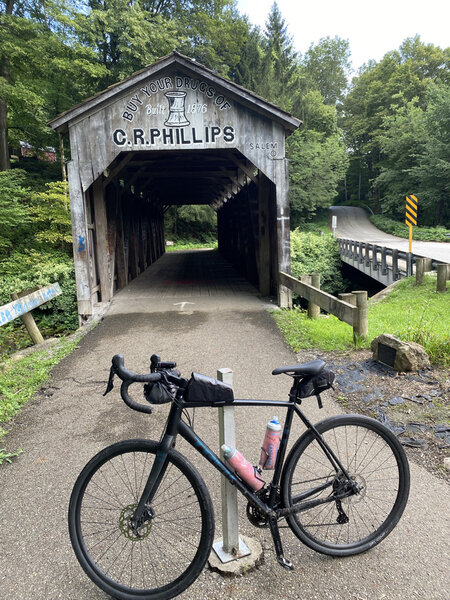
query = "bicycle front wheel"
{"x": 374, "y": 458}
{"x": 168, "y": 552}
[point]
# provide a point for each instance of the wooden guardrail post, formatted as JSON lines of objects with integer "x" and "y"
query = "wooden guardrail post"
{"x": 441, "y": 285}
{"x": 30, "y": 324}
{"x": 420, "y": 270}
{"x": 428, "y": 264}
{"x": 314, "y": 309}
{"x": 361, "y": 323}
{"x": 348, "y": 297}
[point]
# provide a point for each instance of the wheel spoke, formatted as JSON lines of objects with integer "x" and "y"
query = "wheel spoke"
{"x": 172, "y": 544}
{"x": 374, "y": 460}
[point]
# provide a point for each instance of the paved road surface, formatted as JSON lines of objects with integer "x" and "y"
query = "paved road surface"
{"x": 353, "y": 223}
{"x": 226, "y": 326}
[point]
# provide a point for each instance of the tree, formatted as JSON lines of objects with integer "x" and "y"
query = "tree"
{"x": 327, "y": 67}
{"x": 433, "y": 168}
{"x": 44, "y": 71}
{"x": 280, "y": 68}
{"x": 402, "y": 143}
{"x": 379, "y": 90}
{"x": 125, "y": 36}
{"x": 14, "y": 215}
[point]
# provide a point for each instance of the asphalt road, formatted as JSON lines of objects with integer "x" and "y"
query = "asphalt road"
{"x": 203, "y": 315}
{"x": 353, "y": 223}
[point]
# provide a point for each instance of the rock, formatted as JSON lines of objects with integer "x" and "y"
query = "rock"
{"x": 413, "y": 442}
{"x": 406, "y": 356}
{"x": 396, "y": 400}
{"x": 447, "y": 463}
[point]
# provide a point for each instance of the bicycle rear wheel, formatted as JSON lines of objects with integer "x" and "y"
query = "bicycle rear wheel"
{"x": 373, "y": 457}
{"x": 169, "y": 550}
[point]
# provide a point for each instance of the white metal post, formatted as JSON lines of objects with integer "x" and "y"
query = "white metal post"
{"x": 231, "y": 546}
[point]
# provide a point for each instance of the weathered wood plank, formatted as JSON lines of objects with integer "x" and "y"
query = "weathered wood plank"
{"x": 263, "y": 234}
{"x": 283, "y": 228}
{"x": 23, "y": 305}
{"x": 340, "y": 309}
{"x": 121, "y": 257}
{"x": 80, "y": 240}
{"x": 101, "y": 241}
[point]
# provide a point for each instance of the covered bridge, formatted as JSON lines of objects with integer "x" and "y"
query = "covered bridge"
{"x": 175, "y": 133}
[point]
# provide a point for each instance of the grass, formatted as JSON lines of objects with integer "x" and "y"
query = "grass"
{"x": 187, "y": 245}
{"x": 20, "y": 380}
{"x": 410, "y": 312}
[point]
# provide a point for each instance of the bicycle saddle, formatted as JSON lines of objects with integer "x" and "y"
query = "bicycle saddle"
{"x": 313, "y": 367}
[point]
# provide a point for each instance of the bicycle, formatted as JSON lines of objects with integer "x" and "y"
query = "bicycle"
{"x": 141, "y": 519}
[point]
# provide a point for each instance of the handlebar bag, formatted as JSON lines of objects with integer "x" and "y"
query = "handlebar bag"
{"x": 207, "y": 390}
{"x": 160, "y": 392}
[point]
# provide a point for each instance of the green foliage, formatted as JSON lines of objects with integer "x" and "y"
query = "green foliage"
{"x": 45, "y": 69}
{"x": 317, "y": 165}
{"x": 191, "y": 222}
{"x": 315, "y": 253}
{"x": 416, "y": 157}
{"x": 19, "y": 381}
{"x": 325, "y": 333}
{"x": 51, "y": 214}
{"x": 192, "y": 245}
{"x": 327, "y": 66}
{"x": 400, "y": 229}
{"x": 380, "y": 91}
{"x": 8, "y": 456}
{"x": 14, "y": 215}
{"x": 410, "y": 312}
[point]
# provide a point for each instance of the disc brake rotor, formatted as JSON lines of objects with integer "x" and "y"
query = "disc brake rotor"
{"x": 126, "y": 528}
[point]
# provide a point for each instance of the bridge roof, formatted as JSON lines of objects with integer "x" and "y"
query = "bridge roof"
{"x": 175, "y": 59}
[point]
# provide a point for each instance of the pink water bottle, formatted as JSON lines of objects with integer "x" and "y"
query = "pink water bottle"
{"x": 242, "y": 467}
{"x": 270, "y": 445}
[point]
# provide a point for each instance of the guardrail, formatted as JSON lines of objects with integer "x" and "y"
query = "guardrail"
{"x": 386, "y": 265}
{"x": 353, "y": 312}
{"x": 22, "y": 305}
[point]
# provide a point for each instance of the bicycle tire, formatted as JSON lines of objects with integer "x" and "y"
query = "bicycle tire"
{"x": 173, "y": 547}
{"x": 372, "y": 455}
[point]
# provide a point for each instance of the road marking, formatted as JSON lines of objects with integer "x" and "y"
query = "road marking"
{"x": 182, "y": 305}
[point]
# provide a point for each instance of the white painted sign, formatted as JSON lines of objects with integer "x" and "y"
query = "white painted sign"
{"x": 19, "y": 307}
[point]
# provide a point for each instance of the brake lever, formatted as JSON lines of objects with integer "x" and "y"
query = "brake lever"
{"x": 110, "y": 384}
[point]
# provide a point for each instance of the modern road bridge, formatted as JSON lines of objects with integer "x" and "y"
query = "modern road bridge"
{"x": 382, "y": 256}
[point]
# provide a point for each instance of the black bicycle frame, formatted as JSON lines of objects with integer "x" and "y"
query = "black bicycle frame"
{"x": 175, "y": 425}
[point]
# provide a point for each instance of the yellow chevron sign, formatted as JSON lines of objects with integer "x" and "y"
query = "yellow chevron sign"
{"x": 411, "y": 210}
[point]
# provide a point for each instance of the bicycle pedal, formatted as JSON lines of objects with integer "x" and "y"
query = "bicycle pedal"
{"x": 286, "y": 564}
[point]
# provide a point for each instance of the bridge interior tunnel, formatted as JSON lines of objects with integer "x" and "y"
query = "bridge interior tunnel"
{"x": 127, "y": 204}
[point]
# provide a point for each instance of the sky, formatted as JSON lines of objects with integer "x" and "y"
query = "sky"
{"x": 372, "y": 28}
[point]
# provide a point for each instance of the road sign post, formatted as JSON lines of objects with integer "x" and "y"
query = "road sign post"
{"x": 411, "y": 215}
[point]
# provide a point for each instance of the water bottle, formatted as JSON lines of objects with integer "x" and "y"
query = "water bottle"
{"x": 270, "y": 445}
{"x": 242, "y": 467}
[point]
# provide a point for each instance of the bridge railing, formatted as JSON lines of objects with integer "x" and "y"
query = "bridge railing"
{"x": 353, "y": 313}
{"x": 382, "y": 263}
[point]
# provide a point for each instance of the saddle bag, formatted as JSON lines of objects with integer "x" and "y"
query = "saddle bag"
{"x": 208, "y": 391}
{"x": 315, "y": 384}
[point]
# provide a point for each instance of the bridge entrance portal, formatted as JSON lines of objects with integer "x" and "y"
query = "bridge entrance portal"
{"x": 175, "y": 133}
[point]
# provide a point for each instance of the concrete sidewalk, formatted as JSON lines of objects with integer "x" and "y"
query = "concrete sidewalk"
{"x": 227, "y": 326}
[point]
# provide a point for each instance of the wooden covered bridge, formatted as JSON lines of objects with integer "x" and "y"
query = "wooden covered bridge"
{"x": 175, "y": 133}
